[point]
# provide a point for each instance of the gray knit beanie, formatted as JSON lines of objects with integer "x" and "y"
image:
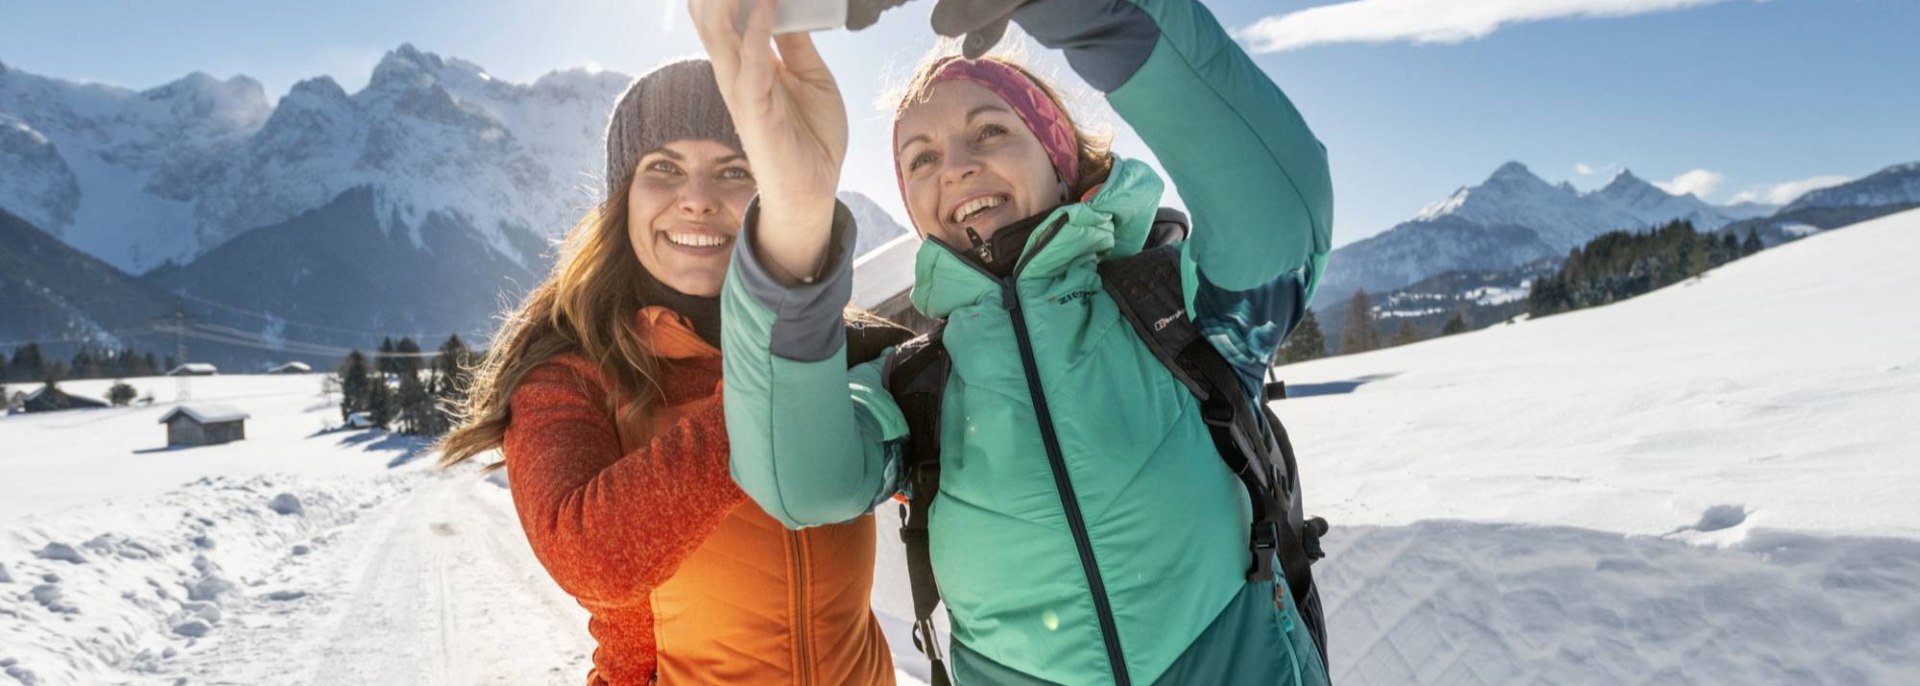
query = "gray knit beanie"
{"x": 678, "y": 101}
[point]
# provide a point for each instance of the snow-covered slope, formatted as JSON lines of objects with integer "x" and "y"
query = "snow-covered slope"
{"x": 1709, "y": 484}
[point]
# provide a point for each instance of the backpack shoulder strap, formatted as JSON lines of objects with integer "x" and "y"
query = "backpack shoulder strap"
{"x": 916, "y": 376}
{"x": 1146, "y": 288}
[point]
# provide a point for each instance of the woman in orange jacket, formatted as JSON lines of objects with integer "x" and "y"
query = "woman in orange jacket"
{"x": 603, "y": 392}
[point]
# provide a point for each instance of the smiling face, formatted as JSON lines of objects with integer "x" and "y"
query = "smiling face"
{"x": 969, "y": 161}
{"x": 683, "y": 210}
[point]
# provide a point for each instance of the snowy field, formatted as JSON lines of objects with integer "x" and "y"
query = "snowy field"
{"x": 1710, "y": 484}
{"x": 1714, "y": 483}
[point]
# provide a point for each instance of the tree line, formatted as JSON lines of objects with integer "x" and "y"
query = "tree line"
{"x": 1361, "y": 332}
{"x": 28, "y": 363}
{"x": 1620, "y": 265}
{"x": 398, "y": 392}
{"x": 1609, "y": 268}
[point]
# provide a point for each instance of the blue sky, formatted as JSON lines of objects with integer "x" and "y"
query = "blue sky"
{"x": 1744, "y": 94}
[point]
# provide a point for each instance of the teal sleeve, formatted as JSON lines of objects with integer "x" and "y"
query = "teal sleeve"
{"x": 1252, "y": 174}
{"x": 812, "y": 442}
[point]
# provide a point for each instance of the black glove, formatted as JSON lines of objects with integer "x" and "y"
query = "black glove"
{"x": 863, "y": 13}
{"x": 983, "y": 22}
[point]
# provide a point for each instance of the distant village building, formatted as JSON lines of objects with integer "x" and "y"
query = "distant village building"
{"x": 189, "y": 425}
{"x": 194, "y": 369}
{"x": 360, "y": 420}
{"x": 291, "y": 368}
{"x": 52, "y": 399}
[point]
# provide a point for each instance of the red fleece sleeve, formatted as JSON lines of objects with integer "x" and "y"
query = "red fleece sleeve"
{"x": 608, "y": 526}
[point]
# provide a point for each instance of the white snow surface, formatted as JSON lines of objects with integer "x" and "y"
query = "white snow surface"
{"x": 1709, "y": 484}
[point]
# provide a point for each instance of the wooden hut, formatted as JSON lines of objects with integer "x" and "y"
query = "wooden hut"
{"x": 204, "y": 425}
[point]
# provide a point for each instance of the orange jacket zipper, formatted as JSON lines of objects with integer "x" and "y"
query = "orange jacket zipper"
{"x": 803, "y": 669}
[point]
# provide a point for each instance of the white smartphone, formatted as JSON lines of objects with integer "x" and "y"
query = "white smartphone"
{"x": 802, "y": 16}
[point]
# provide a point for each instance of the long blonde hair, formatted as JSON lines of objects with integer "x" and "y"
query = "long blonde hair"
{"x": 584, "y": 307}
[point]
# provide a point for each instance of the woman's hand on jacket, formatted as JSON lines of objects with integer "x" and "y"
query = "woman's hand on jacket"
{"x": 792, "y": 122}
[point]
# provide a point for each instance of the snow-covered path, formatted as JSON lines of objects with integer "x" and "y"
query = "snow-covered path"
{"x": 436, "y": 587}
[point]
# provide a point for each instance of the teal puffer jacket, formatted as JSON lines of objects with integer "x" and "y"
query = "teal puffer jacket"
{"x": 1086, "y": 531}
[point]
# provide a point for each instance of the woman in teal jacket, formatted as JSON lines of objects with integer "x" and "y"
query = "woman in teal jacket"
{"x": 1086, "y": 531}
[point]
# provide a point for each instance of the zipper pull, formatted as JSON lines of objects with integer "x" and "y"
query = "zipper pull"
{"x": 980, "y": 247}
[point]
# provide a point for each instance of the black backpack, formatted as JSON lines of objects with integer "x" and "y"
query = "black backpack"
{"x": 1250, "y": 438}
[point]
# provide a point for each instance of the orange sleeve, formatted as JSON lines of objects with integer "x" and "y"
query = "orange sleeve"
{"x": 608, "y": 526}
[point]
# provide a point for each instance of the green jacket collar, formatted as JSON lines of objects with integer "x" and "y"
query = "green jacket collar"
{"x": 1113, "y": 223}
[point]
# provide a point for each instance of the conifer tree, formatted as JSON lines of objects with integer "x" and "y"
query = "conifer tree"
{"x": 452, "y": 375}
{"x": 381, "y": 404}
{"x": 27, "y": 365}
{"x": 414, "y": 407}
{"x": 1358, "y": 335}
{"x": 1455, "y": 324}
{"x": 407, "y": 357}
{"x": 1407, "y": 333}
{"x": 1752, "y": 244}
{"x": 383, "y": 360}
{"x": 354, "y": 385}
{"x": 1306, "y": 343}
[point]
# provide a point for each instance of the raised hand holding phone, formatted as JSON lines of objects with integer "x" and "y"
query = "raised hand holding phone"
{"x": 792, "y": 123}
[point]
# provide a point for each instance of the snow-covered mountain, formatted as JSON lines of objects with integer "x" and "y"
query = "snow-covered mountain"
{"x": 142, "y": 178}
{"x": 875, "y": 225}
{"x": 1894, "y": 186}
{"x": 412, "y": 207}
{"x": 1565, "y": 217}
{"x": 1893, "y": 189}
{"x": 102, "y": 167}
{"x": 1511, "y": 218}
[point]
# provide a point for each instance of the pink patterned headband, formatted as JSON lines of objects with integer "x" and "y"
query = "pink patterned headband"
{"x": 1036, "y": 110}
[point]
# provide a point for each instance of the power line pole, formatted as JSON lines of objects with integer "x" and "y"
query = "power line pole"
{"x": 182, "y": 384}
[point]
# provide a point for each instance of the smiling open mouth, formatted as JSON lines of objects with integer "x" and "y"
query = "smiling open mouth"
{"x": 975, "y": 206}
{"x": 697, "y": 240}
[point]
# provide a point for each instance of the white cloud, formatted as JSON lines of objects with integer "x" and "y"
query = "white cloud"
{"x": 1584, "y": 169}
{"x": 1429, "y": 21}
{"x": 1700, "y": 182}
{"x": 1786, "y": 192}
